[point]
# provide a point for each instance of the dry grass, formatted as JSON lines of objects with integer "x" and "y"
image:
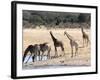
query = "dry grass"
{"x": 36, "y": 36}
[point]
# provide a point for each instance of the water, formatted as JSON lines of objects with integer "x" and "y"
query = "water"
{"x": 36, "y": 59}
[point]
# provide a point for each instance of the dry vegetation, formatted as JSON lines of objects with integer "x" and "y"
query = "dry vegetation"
{"x": 36, "y": 36}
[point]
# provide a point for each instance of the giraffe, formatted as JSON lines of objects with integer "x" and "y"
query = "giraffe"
{"x": 57, "y": 44}
{"x": 43, "y": 48}
{"x": 73, "y": 43}
{"x": 85, "y": 37}
{"x": 34, "y": 50}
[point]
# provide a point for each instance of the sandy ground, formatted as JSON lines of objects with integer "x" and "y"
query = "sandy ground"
{"x": 37, "y": 36}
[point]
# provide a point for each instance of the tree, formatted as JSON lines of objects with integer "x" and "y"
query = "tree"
{"x": 83, "y": 17}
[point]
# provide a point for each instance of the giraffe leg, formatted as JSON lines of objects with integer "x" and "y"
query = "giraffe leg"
{"x": 39, "y": 55}
{"x": 87, "y": 41}
{"x": 42, "y": 55}
{"x": 56, "y": 52}
{"x": 76, "y": 48}
{"x": 72, "y": 51}
{"x": 83, "y": 42}
{"x": 33, "y": 57}
{"x": 62, "y": 48}
{"x": 48, "y": 54}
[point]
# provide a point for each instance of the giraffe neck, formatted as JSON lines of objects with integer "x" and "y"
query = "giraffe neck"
{"x": 69, "y": 37}
{"x": 82, "y": 30}
{"x": 53, "y": 38}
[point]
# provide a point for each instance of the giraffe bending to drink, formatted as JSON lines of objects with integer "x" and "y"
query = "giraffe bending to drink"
{"x": 35, "y": 50}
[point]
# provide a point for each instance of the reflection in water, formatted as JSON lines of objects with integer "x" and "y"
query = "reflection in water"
{"x": 36, "y": 59}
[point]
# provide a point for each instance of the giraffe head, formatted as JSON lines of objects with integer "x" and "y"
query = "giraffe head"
{"x": 65, "y": 33}
{"x": 50, "y": 32}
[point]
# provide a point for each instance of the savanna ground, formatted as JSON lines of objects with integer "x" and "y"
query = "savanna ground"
{"x": 37, "y": 36}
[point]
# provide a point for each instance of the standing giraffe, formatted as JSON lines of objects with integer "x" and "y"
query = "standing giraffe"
{"x": 85, "y": 37}
{"x": 57, "y": 44}
{"x": 73, "y": 43}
